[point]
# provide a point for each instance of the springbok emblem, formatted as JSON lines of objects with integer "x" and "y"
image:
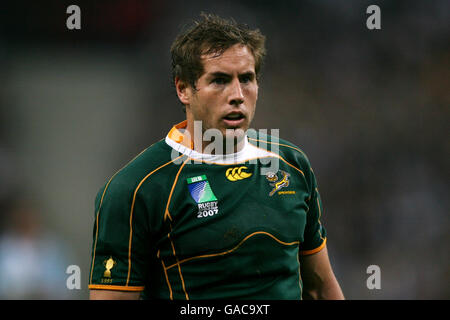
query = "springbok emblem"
{"x": 278, "y": 183}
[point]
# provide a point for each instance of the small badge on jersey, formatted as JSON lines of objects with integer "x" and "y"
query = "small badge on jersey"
{"x": 108, "y": 264}
{"x": 201, "y": 192}
{"x": 278, "y": 182}
{"x": 237, "y": 173}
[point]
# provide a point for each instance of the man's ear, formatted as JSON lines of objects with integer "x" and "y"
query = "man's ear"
{"x": 182, "y": 91}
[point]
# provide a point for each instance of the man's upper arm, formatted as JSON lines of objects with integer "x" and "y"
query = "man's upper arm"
{"x": 318, "y": 278}
{"x": 315, "y": 235}
{"x": 119, "y": 251}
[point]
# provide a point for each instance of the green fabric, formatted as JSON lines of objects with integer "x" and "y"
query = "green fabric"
{"x": 215, "y": 238}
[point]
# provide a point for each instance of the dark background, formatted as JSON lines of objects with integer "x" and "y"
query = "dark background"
{"x": 369, "y": 107}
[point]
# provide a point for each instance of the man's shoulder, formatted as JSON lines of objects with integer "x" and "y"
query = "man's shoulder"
{"x": 284, "y": 148}
{"x": 155, "y": 159}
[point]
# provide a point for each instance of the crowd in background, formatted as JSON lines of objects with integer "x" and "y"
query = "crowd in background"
{"x": 370, "y": 108}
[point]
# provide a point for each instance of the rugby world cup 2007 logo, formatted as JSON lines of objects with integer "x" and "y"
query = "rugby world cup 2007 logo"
{"x": 201, "y": 192}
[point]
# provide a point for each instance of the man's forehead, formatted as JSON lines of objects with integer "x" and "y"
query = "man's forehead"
{"x": 236, "y": 57}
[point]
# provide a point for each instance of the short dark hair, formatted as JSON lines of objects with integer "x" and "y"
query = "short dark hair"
{"x": 212, "y": 34}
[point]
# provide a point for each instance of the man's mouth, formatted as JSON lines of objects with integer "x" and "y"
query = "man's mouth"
{"x": 234, "y": 119}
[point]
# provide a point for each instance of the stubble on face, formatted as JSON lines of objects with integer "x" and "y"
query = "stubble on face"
{"x": 225, "y": 96}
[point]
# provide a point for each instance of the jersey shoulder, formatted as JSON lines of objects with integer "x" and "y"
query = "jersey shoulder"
{"x": 152, "y": 160}
{"x": 285, "y": 149}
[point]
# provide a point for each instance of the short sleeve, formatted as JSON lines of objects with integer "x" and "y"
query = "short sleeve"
{"x": 120, "y": 240}
{"x": 315, "y": 233}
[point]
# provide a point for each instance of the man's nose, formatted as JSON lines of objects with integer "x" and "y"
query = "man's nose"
{"x": 236, "y": 96}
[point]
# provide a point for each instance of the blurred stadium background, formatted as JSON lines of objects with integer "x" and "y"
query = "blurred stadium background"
{"x": 370, "y": 108}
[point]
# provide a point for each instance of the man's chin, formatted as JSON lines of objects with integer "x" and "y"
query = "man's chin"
{"x": 231, "y": 140}
{"x": 234, "y": 134}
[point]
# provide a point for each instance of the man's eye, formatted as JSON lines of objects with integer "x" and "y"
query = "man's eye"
{"x": 246, "y": 79}
{"x": 219, "y": 80}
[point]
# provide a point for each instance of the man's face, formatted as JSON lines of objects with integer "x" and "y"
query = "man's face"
{"x": 226, "y": 93}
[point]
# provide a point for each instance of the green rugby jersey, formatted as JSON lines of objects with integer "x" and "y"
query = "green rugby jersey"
{"x": 177, "y": 224}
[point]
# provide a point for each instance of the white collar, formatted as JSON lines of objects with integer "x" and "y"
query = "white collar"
{"x": 249, "y": 152}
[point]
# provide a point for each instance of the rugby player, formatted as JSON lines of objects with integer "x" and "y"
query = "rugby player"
{"x": 181, "y": 221}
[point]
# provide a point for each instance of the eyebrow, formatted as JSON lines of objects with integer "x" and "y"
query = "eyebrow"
{"x": 227, "y": 75}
